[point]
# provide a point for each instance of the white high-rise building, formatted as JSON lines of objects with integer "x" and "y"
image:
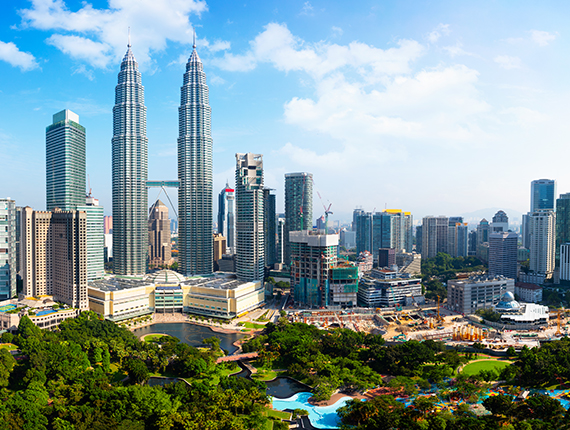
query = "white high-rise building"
{"x": 130, "y": 171}
{"x": 434, "y": 235}
{"x": 250, "y": 239}
{"x": 95, "y": 238}
{"x": 542, "y": 241}
{"x": 195, "y": 205}
{"x": 226, "y": 216}
{"x": 8, "y": 250}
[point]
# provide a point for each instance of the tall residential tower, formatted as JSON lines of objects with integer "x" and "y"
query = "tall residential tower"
{"x": 130, "y": 171}
{"x": 250, "y": 214}
{"x": 195, "y": 209}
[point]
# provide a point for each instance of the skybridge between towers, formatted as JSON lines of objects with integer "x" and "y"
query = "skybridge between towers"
{"x": 164, "y": 185}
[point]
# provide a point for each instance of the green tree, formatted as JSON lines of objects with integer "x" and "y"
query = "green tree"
{"x": 136, "y": 369}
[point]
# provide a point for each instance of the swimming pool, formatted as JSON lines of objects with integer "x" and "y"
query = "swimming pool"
{"x": 322, "y": 417}
{"x": 46, "y": 312}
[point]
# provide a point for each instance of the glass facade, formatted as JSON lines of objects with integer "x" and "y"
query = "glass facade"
{"x": 298, "y": 206}
{"x": 195, "y": 208}
{"x": 130, "y": 172}
{"x": 542, "y": 194}
{"x": 65, "y": 162}
{"x": 7, "y": 248}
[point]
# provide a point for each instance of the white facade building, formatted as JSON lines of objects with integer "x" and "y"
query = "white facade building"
{"x": 542, "y": 241}
{"x": 95, "y": 238}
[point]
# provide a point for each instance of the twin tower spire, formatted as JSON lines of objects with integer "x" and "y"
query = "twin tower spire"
{"x": 130, "y": 171}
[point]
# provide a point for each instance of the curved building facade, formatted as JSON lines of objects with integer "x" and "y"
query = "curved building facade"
{"x": 195, "y": 243}
{"x": 130, "y": 171}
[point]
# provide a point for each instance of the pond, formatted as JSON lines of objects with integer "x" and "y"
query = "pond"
{"x": 190, "y": 334}
{"x": 284, "y": 387}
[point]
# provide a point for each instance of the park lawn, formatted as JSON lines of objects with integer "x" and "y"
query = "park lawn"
{"x": 155, "y": 337}
{"x": 253, "y": 325}
{"x": 230, "y": 370}
{"x": 264, "y": 375}
{"x": 9, "y": 346}
{"x": 278, "y": 414}
{"x": 475, "y": 367}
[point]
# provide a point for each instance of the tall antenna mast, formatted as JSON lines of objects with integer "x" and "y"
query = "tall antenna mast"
{"x": 194, "y": 38}
{"x": 129, "y": 44}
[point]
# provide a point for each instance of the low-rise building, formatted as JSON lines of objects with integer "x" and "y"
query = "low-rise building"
{"x": 477, "y": 292}
{"x": 43, "y": 312}
{"x": 220, "y": 295}
{"x": 530, "y": 293}
{"x": 387, "y": 288}
{"x": 516, "y": 314}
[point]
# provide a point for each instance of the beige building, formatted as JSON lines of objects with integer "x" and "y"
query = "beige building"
{"x": 53, "y": 249}
{"x": 40, "y": 311}
{"x": 160, "y": 244}
{"x": 220, "y": 295}
{"x": 219, "y": 246}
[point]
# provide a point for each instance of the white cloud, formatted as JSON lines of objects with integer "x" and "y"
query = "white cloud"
{"x": 216, "y": 80}
{"x": 152, "y": 23}
{"x": 542, "y": 38}
{"x": 508, "y": 62}
{"x": 457, "y": 49}
{"x": 337, "y": 31}
{"x": 307, "y": 9}
{"x": 436, "y": 33}
{"x": 10, "y": 53}
{"x": 278, "y": 46}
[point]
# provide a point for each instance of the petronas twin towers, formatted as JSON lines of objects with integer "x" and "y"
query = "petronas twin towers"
{"x": 130, "y": 172}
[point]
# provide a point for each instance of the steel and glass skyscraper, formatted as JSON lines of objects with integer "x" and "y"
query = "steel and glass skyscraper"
{"x": 130, "y": 171}
{"x": 195, "y": 242}
{"x": 226, "y": 222}
{"x": 65, "y": 162}
{"x": 298, "y": 206}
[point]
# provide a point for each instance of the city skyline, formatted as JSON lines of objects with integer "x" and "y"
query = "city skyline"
{"x": 294, "y": 70}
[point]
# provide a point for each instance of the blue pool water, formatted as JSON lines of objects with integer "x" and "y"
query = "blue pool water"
{"x": 323, "y": 417}
{"x": 46, "y": 312}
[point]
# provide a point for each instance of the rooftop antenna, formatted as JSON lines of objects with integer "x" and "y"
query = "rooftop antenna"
{"x": 129, "y": 44}
{"x": 194, "y": 38}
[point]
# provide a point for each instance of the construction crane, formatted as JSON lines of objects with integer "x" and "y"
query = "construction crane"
{"x": 439, "y": 317}
{"x": 327, "y": 212}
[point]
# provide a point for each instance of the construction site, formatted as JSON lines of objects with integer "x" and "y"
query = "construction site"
{"x": 434, "y": 322}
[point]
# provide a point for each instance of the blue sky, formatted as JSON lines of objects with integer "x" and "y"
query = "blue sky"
{"x": 437, "y": 107}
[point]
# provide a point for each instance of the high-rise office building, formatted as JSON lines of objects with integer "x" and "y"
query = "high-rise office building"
{"x": 500, "y": 222}
{"x": 160, "y": 245}
{"x": 562, "y": 223}
{"x": 54, "y": 253}
{"x": 298, "y": 206}
{"x": 355, "y": 214}
{"x": 280, "y": 253}
{"x": 542, "y": 195}
{"x": 95, "y": 238}
{"x": 250, "y": 214}
{"x": 434, "y": 235}
{"x": 7, "y": 248}
{"x": 419, "y": 237}
{"x": 226, "y": 221}
{"x": 195, "y": 194}
{"x": 457, "y": 237}
{"x": 270, "y": 225}
{"x": 483, "y": 232}
{"x": 503, "y": 248}
{"x": 130, "y": 171}
{"x": 65, "y": 162}
{"x": 542, "y": 241}
{"x": 108, "y": 224}
{"x": 525, "y": 230}
{"x": 363, "y": 228}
